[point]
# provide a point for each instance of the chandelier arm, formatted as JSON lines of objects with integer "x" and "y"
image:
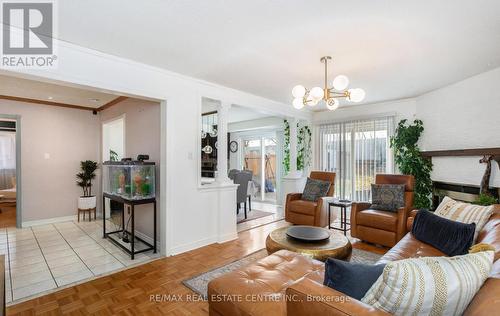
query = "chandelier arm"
{"x": 326, "y": 74}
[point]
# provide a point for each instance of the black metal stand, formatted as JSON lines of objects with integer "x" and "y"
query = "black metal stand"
{"x": 343, "y": 215}
{"x": 112, "y": 235}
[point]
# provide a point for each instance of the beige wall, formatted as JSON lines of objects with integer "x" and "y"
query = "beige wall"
{"x": 68, "y": 136}
{"x": 142, "y": 136}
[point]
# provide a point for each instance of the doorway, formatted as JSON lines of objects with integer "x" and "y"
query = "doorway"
{"x": 113, "y": 149}
{"x": 259, "y": 156}
{"x": 10, "y": 215}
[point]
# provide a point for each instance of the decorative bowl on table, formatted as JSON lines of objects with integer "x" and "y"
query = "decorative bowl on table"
{"x": 308, "y": 233}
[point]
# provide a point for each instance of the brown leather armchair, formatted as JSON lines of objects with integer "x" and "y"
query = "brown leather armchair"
{"x": 383, "y": 227}
{"x": 302, "y": 212}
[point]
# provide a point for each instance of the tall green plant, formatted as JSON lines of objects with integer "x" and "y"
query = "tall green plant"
{"x": 304, "y": 148}
{"x": 85, "y": 176}
{"x": 410, "y": 161}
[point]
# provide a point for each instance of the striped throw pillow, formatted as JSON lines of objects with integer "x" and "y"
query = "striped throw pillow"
{"x": 430, "y": 285}
{"x": 465, "y": 213}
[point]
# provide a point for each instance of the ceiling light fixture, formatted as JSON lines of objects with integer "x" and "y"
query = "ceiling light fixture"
{"x": 331, "y": 96}
{"x": 50, "y": 98}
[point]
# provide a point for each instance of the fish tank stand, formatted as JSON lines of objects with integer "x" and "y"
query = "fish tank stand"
{"x": 114, "y": 235}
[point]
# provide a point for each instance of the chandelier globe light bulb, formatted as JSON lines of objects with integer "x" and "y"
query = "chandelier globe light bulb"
{"x": 356, "y": 95}
{"x": 332, "y": 104}
{"x": 298, "y": 91}
{"x": 317, "y": 93}
{"x": 340, "y": 82}
{"x": 298, "y": 103}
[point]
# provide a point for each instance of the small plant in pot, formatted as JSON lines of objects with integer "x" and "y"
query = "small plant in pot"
{"x": 84, "y": 180}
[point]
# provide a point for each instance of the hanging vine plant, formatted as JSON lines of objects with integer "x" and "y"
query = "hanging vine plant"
{"x": 304, "y": 149}
{"x": 410, "y": 161}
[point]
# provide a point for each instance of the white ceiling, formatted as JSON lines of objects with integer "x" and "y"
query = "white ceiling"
{"x": 23, "y": 88}
{"x": 392, "y": 49}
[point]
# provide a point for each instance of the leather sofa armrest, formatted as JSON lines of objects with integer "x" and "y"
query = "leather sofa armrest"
{"x": 308, "y": 297}
{"x": 355, "y": 208}
{"x": 410, "y": 219}
{"x": 293, "y": 196}
{"x": 359, "y": 206}
{"x": 402, "y": 222}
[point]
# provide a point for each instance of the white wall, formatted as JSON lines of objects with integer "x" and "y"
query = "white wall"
{"x": 68, "y": 136}
{"x": 461, "y": 116}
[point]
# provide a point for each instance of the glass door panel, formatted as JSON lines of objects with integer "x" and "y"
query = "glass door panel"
{"x": 252, "y": 160}
{"x": 270, "y": 180}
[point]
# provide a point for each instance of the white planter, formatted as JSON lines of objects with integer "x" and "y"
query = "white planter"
{"x": 85, "y": 203}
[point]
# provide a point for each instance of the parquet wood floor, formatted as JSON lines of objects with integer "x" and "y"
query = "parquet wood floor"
{"x": 128, "y": 292}
{"x": 8, "y": 215}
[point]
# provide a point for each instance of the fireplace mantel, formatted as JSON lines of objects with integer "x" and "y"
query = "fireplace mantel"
{"x": 495, "y": 152}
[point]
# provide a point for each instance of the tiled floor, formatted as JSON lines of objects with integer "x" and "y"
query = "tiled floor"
{"x": 43, "y": 258}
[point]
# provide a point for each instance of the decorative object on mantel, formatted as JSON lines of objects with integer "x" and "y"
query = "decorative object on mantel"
{"x": 485, "y": 181}
{"x": 411, "y": 162}
{"x": 331, "y": 96}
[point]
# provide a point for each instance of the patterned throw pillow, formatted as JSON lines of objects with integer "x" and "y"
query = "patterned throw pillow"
{"x": 465, "y": 213}
{"x": 388, "y": 197}
{"x": 315, "y": 189}
{"x": 430, "y": 285}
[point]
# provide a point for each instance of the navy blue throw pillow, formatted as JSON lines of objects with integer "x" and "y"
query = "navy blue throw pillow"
{"x": 352, "y": 279}
{"x": 451, "y": 237}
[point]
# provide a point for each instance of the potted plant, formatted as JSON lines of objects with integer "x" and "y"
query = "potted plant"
{"x": 84, "y": 180}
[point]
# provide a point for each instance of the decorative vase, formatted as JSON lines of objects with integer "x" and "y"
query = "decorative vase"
{"x": 87, "y": 202}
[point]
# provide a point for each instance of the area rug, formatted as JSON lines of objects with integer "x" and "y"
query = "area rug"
{"x": 200, "y": 282}
{"x": 251, "y": 215}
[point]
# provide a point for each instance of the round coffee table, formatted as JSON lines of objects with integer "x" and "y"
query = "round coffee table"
{"x": 337, "y": 246}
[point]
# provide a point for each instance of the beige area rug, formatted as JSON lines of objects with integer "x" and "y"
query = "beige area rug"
{"x": 199, "y": 283}
{"x": 251, "y": 215}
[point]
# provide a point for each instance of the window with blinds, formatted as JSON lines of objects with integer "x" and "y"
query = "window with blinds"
{"x": 356, "y": 151}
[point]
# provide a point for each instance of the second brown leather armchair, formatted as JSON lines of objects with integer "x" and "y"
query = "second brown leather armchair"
{"x": 383, "y": 227}
{"x": 301, "y": 212}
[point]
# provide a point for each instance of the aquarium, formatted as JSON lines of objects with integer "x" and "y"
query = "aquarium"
{"x": 131, "y": 180}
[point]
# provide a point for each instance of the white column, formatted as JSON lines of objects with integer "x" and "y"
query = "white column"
{"x": 222, "y": 143}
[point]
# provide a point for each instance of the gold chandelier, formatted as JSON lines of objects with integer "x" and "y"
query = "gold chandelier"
{"x": 331, "y": 96}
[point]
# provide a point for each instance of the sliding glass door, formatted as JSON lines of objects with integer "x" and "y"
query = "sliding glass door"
{"x": 356, "y": 151}
{"x": 259, "y": 156}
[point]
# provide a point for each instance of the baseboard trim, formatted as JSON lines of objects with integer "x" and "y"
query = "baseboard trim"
{"x": 49, "y": 221}
{"x": 227, "y": 237}
{"x": 193, "y": 245}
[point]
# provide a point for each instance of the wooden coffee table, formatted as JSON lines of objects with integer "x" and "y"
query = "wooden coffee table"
{"x": 337, "y": 246}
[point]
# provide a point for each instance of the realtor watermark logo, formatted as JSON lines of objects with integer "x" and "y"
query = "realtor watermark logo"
{"x": 28, "y": 32}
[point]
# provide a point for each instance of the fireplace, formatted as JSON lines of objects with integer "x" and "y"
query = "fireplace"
{"x": 457, "y": 191}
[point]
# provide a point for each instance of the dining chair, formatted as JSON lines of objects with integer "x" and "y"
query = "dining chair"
{"x": 249, "y": 196}
{"x": 242, "y": 178}
{"x": 231, "y": 173}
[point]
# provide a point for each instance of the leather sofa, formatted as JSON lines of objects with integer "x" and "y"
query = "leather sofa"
{"x": 286, "y": 283}
{"x": 383, "y": 227}
{"x": 301, "y": 212}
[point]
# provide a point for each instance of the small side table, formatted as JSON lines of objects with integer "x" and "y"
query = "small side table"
{"x": 343, "y": 205}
